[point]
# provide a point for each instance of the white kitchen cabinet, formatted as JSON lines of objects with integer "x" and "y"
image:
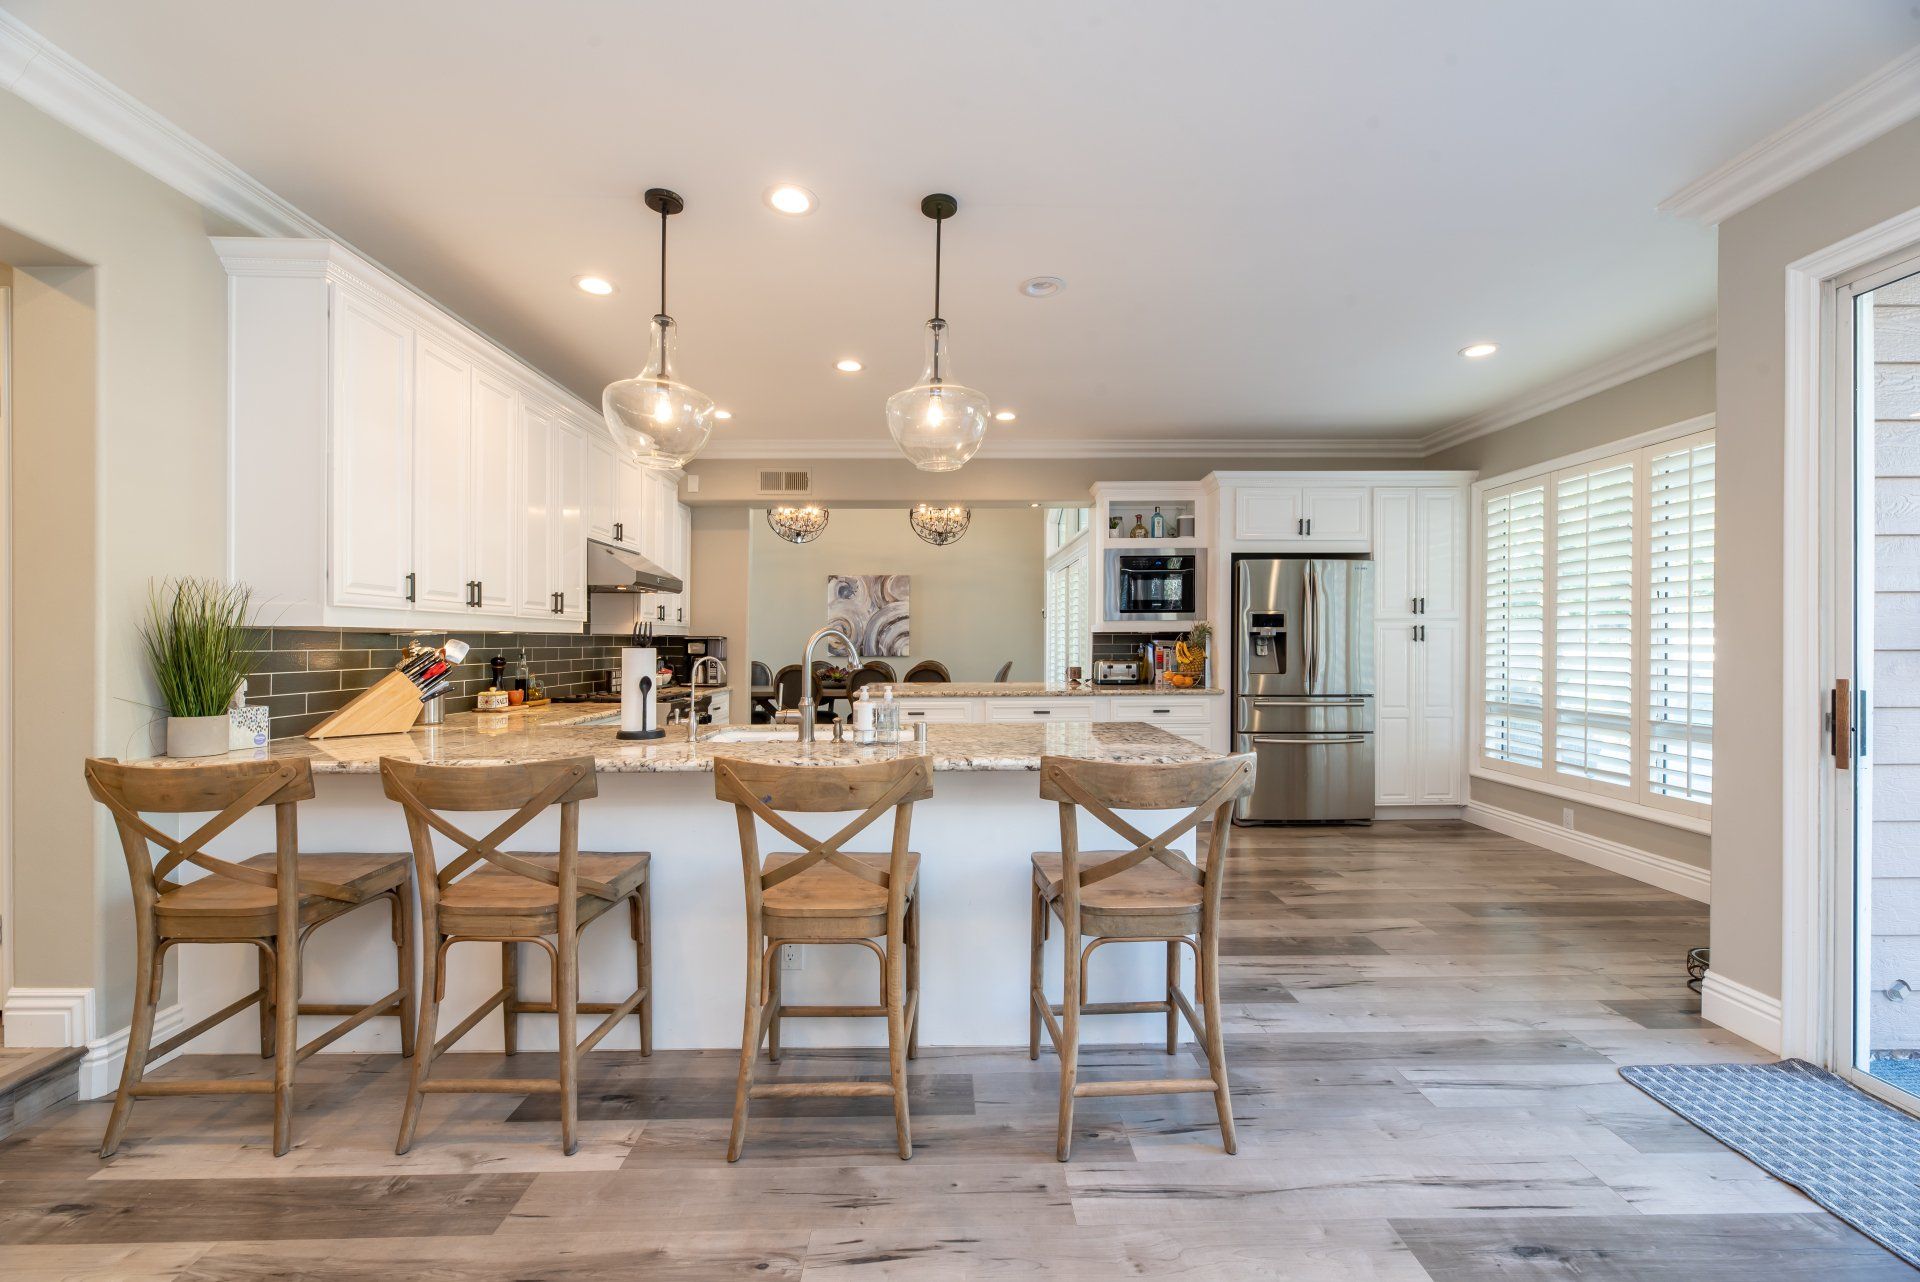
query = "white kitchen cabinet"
{"x": 377, "y": 468}
{"x": 604, "y": 491}
{"x": 683, "y": 565}
{"x": 1419, "y": 551}
{"x": 631, "y": 521}
{"x": 1394, "y": 680}
{"x": 495, "y": 507}
{"x": 1335, "y": 517}
{"x": 1419, "y": 713}
{"x": 372, "y": 456}
{"x": 1034, "y": 711}
{"x": 1195, "y": 717}
{"x": 945, "y": 711}
{"x": 443, "y": 452}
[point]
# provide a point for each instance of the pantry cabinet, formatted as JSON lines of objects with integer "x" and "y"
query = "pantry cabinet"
{"x": 1420, "y": 555}
{"x": 391, "y": 468}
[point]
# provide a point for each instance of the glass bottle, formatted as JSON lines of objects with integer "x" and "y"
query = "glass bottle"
{"x": 1139, "y": 530}
{"x": 1159, "y": 523}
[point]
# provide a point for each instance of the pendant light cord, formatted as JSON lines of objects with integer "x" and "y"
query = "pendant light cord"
{"x": 938, "y": 225}
{"x": 663, "y": 260}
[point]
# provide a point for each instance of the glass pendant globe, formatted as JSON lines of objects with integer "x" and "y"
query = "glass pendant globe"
{"x": 937, "y": 423}
{"x": 657, "y": 419}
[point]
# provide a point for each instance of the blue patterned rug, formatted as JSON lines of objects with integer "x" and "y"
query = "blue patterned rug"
{"x": 1847, "y": 1151}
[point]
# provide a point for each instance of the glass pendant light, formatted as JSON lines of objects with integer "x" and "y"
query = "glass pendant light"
{"x": 938, "y": 423}
{"x": 939, "y": 524}
{"x": 655, "y": 417}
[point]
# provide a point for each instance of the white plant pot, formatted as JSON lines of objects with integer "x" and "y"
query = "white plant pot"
{"x": 197, "y": 736}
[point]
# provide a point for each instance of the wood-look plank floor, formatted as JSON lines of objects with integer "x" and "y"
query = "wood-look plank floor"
{"x": 1424, "y": 1026}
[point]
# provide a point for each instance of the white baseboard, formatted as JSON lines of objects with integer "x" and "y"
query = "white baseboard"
{"x": 49, "y": 1017}
{"x": 1387, "y": 814}
{"x": 1742, "y": 1010}
{"x": 1628, "y": 861}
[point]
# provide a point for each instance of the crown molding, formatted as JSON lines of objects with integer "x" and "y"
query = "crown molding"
{"x": 1669, "y": 349}
{"x": 880, "y": 447}
{"x": 1884, "y": 100}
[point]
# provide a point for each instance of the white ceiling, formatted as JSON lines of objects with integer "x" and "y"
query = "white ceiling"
{"x": 1276, "y": 220}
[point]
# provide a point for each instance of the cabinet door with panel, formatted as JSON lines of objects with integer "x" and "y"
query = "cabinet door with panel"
{"x": 495, "y": 510}
{"x": 1268, "y": 514}
{"x": 603, "y": 491}
{"x": 683, "y": 565}
{"x": 1440, "y": 552}
{"x": 536, "y": 562}
{"x": 1395, "y": 552}
{"x": 372, "y": 507}
{"x": 633, "y": 505}
{"x": 1395, "y": 677}
{"x": 569, "y": 489}
{"x": 442, "y": 472}
{"x": 1336, "y": 514}
{"x": 1439, "y": 737}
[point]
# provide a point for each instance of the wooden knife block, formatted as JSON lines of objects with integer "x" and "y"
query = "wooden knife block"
{"x": 390, "y": 706}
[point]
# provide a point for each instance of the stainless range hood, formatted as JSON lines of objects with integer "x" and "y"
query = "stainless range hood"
{"x": 612, "y": 568}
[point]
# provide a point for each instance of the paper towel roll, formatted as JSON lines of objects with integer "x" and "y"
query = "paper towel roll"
{"x": 638, "y": 685}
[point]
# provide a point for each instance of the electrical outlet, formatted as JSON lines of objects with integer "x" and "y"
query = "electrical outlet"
{"x": 790, "y": 956}
{"x": 693, "y": 484}
{"x": 1566, "y": 818}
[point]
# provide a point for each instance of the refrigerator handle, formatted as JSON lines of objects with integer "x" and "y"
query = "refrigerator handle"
{"x": 1311, "y": 577}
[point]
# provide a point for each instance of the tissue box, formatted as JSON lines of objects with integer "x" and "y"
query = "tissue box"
{"x": 248, "y": 726}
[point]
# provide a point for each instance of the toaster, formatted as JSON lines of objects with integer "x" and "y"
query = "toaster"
{"x": 1117, "y": 672}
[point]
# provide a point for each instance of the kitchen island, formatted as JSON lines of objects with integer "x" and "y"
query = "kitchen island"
{"x": 975, "y": 836}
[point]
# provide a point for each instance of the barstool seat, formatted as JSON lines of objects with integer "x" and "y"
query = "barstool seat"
{"x": 244, "y": 911}
{"x": 476, "y": 900}
{"x": 824, "y": 893}
{"x": 1112, "y": 905}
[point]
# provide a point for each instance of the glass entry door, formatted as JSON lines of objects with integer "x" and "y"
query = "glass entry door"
{"x": 1873, "y": 721}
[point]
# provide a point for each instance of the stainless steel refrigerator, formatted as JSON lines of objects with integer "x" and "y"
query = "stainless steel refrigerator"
{"x": 1303, "y": 687}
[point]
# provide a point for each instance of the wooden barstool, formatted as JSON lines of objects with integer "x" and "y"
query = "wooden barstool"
{"x": 273, "y": 902}
{"x": 825, "y": 895}
{"x": 544, "y": 899}
{"x": 1149, "y": 893}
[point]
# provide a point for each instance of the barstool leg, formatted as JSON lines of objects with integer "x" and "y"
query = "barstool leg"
{"x": 643, "y": 944}
{"x": 1216, "y": 1039}
{"x": 286, "y": 1019}
{"x": 749, "y": 1047}
{"x": 913, "y": 974}
{"x": 897, "y": 1042}
{"x": 509, "y": 1009}
{"x": 423, "y": 1039}
{"x": 403, "y": 938}
{"x": 1036, "y": 972}
{"x": 775, "y": 956}
{"x": 569, "y": 942}
{"x": 266, "y": 1003}
{"x": 1173, "y": 986}
{"x": 1069, "y": 1041}
{"x": 139, "y": 1036}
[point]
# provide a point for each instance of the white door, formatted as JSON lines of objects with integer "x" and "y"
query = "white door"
{"x": 570, "y": 521}
{"x": 537, "y": 588}
{"x": 603, "y": 490}
{"x": 494, "y": 512}
{"x": 1395, "y": 551}
{"x": 684, "y": 567}
{"x": 1268, "y": 514}
{"x": 1394, "y": 731}
{"x": 442, "y": 476}
{"x": 372, "y": 508}
{"x": 1440, "y": 547}
{"x": 631, "y": 514}
{"x": 1336, "y": 514}
{"x": 1439, "y": 728}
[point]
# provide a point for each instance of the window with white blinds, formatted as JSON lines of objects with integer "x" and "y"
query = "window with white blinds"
{"x": 1513, "y": 635}
{"x": 1068, "y": 636}
{"x": 1596, "y": 625}
{"x": 1680, "y": 622}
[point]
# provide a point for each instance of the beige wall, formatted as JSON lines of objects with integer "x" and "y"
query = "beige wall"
{"x": 1877, "y": 182}
{"x": 1680, "y": 391}
{"x": 975, "y": 604}
{"x": 717, "y": 582}
{"x": 151, "y": 299}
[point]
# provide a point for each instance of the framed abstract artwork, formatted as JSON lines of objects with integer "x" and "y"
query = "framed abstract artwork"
{"x": 872, "y": 609}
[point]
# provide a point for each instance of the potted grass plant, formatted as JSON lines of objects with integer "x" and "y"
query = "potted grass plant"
{"x": 199, "y": 645}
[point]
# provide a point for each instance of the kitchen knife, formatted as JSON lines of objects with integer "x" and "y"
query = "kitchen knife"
{"x": 438, "y": 688}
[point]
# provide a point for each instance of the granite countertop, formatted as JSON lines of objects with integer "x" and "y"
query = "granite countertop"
{"x": 572, "y": 730}
{"x": 1026, "y": 690}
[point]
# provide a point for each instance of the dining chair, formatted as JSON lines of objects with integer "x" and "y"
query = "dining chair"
{"x": 272, "y": 901}
{"x": 928, "y": 671}
{"x": 1006, "y": 670}
{"x": 1147, "y": 894}
{"x": 882, "y": 667}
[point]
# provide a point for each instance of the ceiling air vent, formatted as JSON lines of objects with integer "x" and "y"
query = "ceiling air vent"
{"x": 786, "y": 482}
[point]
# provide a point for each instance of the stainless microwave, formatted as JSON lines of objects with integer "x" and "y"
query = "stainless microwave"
{"x": 1156, "y": 585}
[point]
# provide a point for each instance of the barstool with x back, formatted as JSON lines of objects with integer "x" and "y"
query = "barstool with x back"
{"x": 487, "y": 894}
{"x": 826, "y": 895}
{"x": 1152, "y": 893}
{"x": 273, "y": 901}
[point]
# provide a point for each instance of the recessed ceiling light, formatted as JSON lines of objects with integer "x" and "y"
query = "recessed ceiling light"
{"x": 848, "y": 365}
{"x": 1042, "y": 286}
{"x": 723, "y": 415}
{"x": 1479, "y": 351}
{"x": 598, "y": 285}
{"x": 1004, "y": 416}
{"x": 789, "y": 198}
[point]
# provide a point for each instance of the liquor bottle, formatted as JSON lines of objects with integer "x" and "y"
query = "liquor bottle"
{"x": 1139, "y": 530}
{"x": 1159, "y": 524}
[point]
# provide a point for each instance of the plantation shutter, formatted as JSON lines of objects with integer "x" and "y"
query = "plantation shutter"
{"x": 1593, "y": 695}
{"x": 1515, "y": 625}
{"x": 1680, "y": 501}
{"x": 1067, "y": 622}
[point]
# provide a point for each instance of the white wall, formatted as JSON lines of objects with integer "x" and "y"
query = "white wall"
{"x": 975, "y": 604}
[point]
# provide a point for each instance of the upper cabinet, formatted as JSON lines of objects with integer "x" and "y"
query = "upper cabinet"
{"x": 1420, "y": 549}
{"x": 1333, "y": 517}
{"x": 393, "y": 469}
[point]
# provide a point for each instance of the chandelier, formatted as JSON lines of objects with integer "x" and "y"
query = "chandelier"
{"x": 937, "y": 423}
{"x": 939, "y": 525}
{"x": 655, "y": 417}
{"x": 797, "y": 524}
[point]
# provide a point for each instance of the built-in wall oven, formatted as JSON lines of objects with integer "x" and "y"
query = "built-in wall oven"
{"x": 1156, "y": 586}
